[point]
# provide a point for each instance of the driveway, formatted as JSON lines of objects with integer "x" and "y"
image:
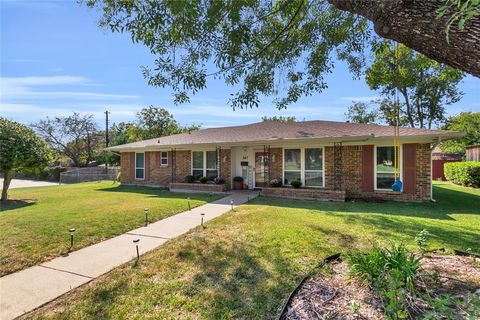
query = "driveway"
{"x": 21, "y": 183}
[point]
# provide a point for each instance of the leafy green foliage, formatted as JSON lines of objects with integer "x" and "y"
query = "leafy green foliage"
{"x": 75, "y": 136}
{"x": 421, "y": 239}
{"x": 279, "y": 119}
{"x": 391, "y": 271}
{"x": 20, "y": 148}
{"x": 189, "y": 179}
{"x": 360, "y": 112}
{"x": 296, "y": 183}
{"x": 275, "y": 183}
{"x": 467, "y": 122}
{"x": 203, "y": 180}
{"x": 424, "y": 86}
{"x": 463, "y": 173}
{"x": 266, "y": 47}
{"x": 460, "y": 11}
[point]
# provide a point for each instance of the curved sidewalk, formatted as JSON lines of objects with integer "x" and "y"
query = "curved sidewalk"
{"x": 25, "y": 290}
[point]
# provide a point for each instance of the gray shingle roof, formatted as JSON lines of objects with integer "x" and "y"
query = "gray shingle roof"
{"x": 281, "y": 131}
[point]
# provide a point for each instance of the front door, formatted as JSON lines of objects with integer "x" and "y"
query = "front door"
{"x": 261, "y": 167}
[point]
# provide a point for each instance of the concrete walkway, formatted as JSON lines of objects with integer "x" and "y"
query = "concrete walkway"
{"x": 31, "y": 288}
{"x": 23, "y": 183}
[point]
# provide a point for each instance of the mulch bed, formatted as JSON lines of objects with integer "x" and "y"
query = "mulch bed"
{"x": 333, "y": 294}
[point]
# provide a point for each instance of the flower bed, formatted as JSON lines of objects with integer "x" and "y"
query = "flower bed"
{"x": 304, "y": 193}
{"x": 197, "y": 187}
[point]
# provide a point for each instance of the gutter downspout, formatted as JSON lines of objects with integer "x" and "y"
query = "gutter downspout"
{"x": 434, "y": 145}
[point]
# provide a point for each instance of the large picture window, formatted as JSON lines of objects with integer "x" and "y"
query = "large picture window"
{"x": 292, "y": 165}
{"x": 305, "y": 165}
{"x": 314, "y": 167}
{"x": 204, "y": 164}
{"x": 197, "y": 164}
{"x": 384, "y": 167}
{"x": 140, "y": 166}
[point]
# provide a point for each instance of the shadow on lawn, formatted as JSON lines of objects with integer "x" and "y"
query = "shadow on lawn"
{"x": 16, "y": 204}
{"x": 160, "y": 193}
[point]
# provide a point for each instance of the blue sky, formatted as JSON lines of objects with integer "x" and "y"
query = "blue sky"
{"x": 55, "y": 60}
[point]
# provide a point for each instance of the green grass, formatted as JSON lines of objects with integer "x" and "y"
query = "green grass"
{"x": 31, "y": 233}
{"x": 245, "y": 263}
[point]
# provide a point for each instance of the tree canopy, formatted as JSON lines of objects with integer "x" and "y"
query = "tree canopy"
{"x": 425, "y": 86}
{"x": 283, "y": 49}
{"x": 468, "y": 122}
{"x": 20, "y": 148}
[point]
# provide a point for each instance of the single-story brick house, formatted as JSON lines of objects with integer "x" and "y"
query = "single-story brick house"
{"x": 333, "y": 160}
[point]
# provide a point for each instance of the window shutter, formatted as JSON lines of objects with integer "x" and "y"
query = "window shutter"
{"x": 147, "y": 166}
{"x": 409, "y": 168}
{"x": 132, "y": 166}
{"x": 368, "y": 168}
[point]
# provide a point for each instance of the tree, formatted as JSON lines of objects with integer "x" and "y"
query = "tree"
{"x": 267, "y": 47}
{"x": 467, "y": 122}
{"x": 279, "y": 119}
{"x": 425, "y": 86}
{"x": 420, "y": 24}
{"x": 74, "y": 136}
{"x": 361, "y": 112}
{"x": 20, "y": 148}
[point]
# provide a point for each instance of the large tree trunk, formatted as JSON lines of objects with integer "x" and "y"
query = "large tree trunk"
{"x": 414, "y": 23}
{"x": 7, "y": 177}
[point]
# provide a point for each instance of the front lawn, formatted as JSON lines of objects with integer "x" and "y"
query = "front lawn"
{"x": 245, "y": 263}
{"x": 36, "y": 228}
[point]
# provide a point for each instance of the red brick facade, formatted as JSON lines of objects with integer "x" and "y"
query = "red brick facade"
{"x": 357, "y": 173}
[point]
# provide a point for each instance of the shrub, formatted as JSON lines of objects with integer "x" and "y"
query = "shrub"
{"x": 203, "y": 180}
{"x": 189, "y": 179}
{"x": 275, "y": 183}
{"x": 463, "y": 173}
{"x": 219, "y": 181}
{"x": 421, "y": 239}
{"x": 46, "y": 173}
{"x": 238, "y": 179}
{"x": 296, "y": 183}
{"x": 391, "y": 272}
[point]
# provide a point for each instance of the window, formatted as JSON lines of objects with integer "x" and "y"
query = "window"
{"x": 211, "y": 170}
{"x": 384, "y": 167}
{"x": 305, "y": 165}
{"x": 140, "y": 166}
{"x": 197, "y": 164}
{"x": 204, "y": 164}
{"x": 314, "y": 167}
{"x": 292, "y": 165}
{"x": 164, "y": 158}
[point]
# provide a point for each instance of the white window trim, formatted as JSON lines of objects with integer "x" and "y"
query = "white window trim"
{"x": 161, "y": 158}
{"x": 400, "y": 152}
{"x": 302, "y": 165}
{"x": 139, "y": 167}
{"x": 204, "y": 154}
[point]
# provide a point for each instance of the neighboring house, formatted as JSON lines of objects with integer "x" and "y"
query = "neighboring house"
{"x": 473, "y": 153}
{"x": 439, "y": 158}
{"x": 334, "y": 160}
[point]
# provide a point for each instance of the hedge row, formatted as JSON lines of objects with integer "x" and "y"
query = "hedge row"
{"x": 45, "y": 174}
{"x": 463, "y": 173}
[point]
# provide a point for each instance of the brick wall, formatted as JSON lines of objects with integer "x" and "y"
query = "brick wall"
{"x": 226, "y": 166}
{"x": 198, "y": 187}
{"x": 304, "y": 193}
{"x": 127, "y": 162}
{"x": 352, "y": 175}
{"x": 276, "y": 164}
{"x": 183, "y": 165}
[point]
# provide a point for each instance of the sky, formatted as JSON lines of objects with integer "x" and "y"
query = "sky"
{"x": 56, "y": 60}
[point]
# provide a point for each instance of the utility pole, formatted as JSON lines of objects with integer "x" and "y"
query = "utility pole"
{"x": 106, "y": 139}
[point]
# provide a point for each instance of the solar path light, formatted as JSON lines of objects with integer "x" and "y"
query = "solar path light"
{"x": 231, "y": 203}
{"x": 202, "y": 215}
{"x": 135, "y": 242}
{"x": 72, "y": 232}
{"x": 146, "y": 216}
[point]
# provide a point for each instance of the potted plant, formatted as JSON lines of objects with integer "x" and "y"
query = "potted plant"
{"x": 296, "y": 183}
{"x": 238, "y": 183}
